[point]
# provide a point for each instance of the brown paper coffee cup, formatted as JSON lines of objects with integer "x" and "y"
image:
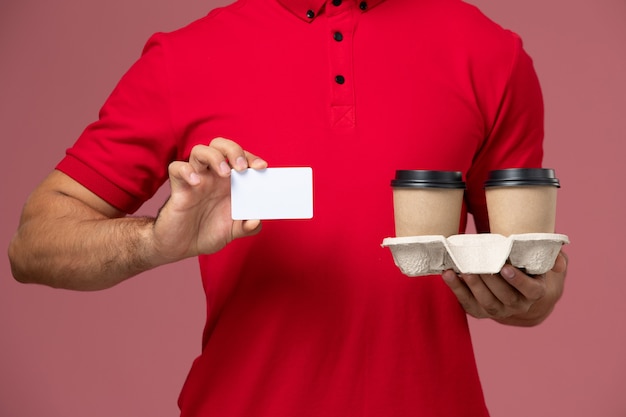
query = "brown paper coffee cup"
{"x": 522, "y": 201}
{"x": 427, "y": 202}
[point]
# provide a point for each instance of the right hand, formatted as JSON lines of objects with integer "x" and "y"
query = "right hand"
{"x": 196, "y": 219}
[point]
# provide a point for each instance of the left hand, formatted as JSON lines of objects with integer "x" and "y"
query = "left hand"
{"x": 510, "y": 297}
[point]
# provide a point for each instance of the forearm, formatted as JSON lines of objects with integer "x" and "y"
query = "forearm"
{"x": 89, "y": 255}
{"x": 78, "y": 247}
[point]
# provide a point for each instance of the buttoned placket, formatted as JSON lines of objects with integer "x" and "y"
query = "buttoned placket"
{"x": 342, "y": 16}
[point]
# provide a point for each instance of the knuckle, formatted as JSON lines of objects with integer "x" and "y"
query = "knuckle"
{"x": 512, "y": 299}
{"x": 467, "y": 306}
{"x": 538, "y": 292}
{"x": 538, "y": 295}
{"x": 197, "y": 149}
{"x": 217, "y": 141}
{"x": 175, "y": 167}
{"x": 473, "y": 310}
{"x": 493, "y": 310}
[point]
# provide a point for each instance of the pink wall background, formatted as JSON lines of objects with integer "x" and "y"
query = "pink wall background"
{"x": 126, "y": 351}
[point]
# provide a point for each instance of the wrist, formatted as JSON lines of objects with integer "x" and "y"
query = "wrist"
{"x": 158, "y": 246}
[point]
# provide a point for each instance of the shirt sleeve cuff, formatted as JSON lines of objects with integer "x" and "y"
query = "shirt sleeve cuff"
{"x": 98, "y": 184}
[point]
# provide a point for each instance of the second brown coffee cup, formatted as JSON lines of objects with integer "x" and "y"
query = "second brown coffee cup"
{"x": 521, "y": 200}
{"x": 427, "y": 202}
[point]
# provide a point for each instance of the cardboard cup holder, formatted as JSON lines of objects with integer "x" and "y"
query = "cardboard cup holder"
{"x": 486, "y": 253}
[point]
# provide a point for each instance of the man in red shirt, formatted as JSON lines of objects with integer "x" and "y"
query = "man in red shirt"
{"x": 304, "y": 317}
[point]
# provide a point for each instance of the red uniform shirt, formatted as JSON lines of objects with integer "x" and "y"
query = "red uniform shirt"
{"x": 312, "y": 317}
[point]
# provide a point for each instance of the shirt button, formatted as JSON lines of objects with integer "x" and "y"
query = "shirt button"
{"x": 338, "y": 36}
{"x": 340, "y": 79}
{"x": 310, "y": 14}
{"x": 336, "y": 2}
{"x": 363, "y": 5}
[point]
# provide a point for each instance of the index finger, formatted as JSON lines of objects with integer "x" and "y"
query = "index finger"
{"x": 221, "y": 155}
{"x": 533, "y": 288}
{"x": 235, "y": 155}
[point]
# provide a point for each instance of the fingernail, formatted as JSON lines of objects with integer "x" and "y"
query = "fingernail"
{"x": 194, "y": 178}
{"x": 258, "y": 162}
{"x": 448, "y": 276}
{"x": 224, "y": 168}
{"x": 507, "y": 272}
{"x": 241, "y": 163}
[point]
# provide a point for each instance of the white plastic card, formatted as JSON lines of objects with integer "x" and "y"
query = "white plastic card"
{"x": 272, "y": 193}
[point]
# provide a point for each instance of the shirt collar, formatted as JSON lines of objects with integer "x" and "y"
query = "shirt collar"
{"x": 308, "y": 10}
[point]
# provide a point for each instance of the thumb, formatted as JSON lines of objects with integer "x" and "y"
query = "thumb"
{"x": 242, "y": 228}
